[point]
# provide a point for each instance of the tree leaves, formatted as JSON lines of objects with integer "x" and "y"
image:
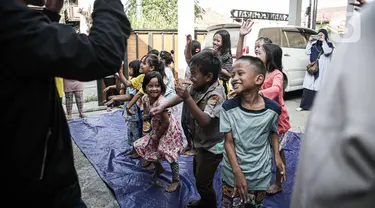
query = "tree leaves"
{"x": 157, "y": 14}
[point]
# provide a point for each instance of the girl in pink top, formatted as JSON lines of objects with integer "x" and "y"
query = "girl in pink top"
{"x": 273, "y": 88}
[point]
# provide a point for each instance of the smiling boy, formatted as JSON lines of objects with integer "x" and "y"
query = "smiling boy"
{"x": 249, "y": 122}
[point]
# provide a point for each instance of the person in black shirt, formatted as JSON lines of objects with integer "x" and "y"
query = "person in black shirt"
{"x": 38, "y": 162}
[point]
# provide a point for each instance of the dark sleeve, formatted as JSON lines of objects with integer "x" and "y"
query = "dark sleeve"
{"x": 33, "y": 46}
{"x": 227, "y": 63}
{"x": 52, "y": 16}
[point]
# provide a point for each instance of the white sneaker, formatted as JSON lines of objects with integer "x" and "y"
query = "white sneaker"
{"x": 299, "y": 109}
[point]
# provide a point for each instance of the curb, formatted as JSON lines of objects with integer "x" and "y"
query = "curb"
{"x": 88, "y": 109}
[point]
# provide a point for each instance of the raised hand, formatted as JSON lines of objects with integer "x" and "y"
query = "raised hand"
{"x": 189, "y": 39}
{"x": 182, "y": 91}
{"x": 246, "y": 27}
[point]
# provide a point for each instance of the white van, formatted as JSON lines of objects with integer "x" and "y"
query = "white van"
{"x": 292, "y": 40}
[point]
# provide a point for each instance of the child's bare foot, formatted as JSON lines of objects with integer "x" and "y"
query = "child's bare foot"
{"x": 172, "y": 188}
{"x": 81, "y": 115}
{"x": 146, "y": 163}
{"x": 134, "y": 155}
{"x": 69, "y": 117}
{"x": 158, "y": 171}
{"x": 129, "y": 152}
{"x": 151, "y": 167}
{"x": 274, "y": 189}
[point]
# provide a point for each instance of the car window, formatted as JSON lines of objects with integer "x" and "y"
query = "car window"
{"x": 271, "y": 33}
{"x": 295, "y": 39}
{"x": 308, "y": 33}
{"x": 233, "y": 32}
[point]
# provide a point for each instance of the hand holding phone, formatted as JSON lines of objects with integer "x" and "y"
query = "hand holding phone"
{"x": 314, "y": 37}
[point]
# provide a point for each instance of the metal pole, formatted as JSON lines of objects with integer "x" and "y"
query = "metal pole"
{"x": 308, "y": 13}
{"x": 315, "y": 13}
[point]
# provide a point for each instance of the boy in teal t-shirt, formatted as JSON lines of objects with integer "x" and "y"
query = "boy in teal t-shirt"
{"x": 249, "y": 122}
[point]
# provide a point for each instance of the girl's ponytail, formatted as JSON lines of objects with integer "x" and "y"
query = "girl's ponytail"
{"x": 161, "y": 68}
{"x": 158, "y": 65}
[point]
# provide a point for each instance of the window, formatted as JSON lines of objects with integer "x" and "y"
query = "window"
{"x": 295, "y": 39}
{"x": 271, "y": 33}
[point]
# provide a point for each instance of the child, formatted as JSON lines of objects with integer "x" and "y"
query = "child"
{"x": 136, "y": 83}
{"x": 249, "y": 122}
{"x": 132, "y": 121}
{"x": 134, "y": 71}
{"x": 166, "y": 57}
{"x": 222, "y": 45}
{"x": 273, "y": 88}
{"x": 192, "y": 47}
{"x": 246, "y": 29}
{"x": 74, "y": 87}
{"x": 150, "y": 63}
{"x": 165, "y": 140}
{"x": 203, "y": 100}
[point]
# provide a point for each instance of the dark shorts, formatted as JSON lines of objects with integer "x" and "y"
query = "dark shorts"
{"x": 231, "y": 200}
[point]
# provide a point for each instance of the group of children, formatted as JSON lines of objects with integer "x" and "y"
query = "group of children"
{"x": 244, "y": 132}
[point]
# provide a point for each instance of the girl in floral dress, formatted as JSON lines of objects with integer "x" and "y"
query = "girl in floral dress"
{"x": 165, "y": 140}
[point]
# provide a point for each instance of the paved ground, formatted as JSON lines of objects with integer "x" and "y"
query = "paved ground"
{"x": 95, "y": 192}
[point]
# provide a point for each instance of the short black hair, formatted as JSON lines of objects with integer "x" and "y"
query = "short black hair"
{"x": 166, "y": 57}
{"x": 255, "y": 63}
{"x": 207, "y": 61}
{"x": 158, "y": 65}
{"x": 265, "y": 40}
{"x": 153, "y": 51}
{"x": 196, "y": 47}
{"x": 274, "y": 56}
{"x": 135, "y": 65}
{"x": 151, "y": 75}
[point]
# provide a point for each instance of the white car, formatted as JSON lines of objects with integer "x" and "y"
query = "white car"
{"x": 292, "y": 40}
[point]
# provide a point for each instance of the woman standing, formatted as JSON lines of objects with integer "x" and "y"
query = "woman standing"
{"x": 317, "y": 49}
{"x": 73, "y": 87}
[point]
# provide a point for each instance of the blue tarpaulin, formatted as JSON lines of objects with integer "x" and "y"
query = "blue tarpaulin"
{"x": 103, "y": 140}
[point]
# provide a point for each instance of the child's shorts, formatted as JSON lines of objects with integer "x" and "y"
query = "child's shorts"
{"x": 133, "y": 132}
{"x": 230, "y": 201}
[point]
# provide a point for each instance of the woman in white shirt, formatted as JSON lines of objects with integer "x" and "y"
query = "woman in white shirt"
{"x": 321, "y": 49}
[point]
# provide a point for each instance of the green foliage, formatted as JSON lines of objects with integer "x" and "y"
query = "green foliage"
{"x": 157, "y": 14}
{"x": 91, "y": 99}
